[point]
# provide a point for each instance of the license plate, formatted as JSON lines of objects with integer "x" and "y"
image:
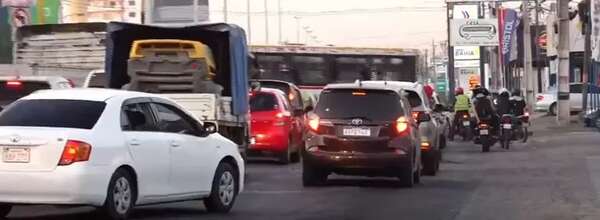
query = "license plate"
{"x": 484, "y": 132}
{"x": 466, "y": 123}
{"x": 362, "y": 132}
{"x": 507, "y": 126}
{"x": 16, "y": 155}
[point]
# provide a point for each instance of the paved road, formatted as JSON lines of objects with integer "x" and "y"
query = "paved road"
{"x": 555, "y": 176}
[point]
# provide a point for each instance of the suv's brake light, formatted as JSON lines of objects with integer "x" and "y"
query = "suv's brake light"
{"x": 401, "y": 125}
{"x": 313, "y": 123}
{"x": 415, "y": 115}
{"x": 13, "y": 84}
{"x": 75, "y": 151}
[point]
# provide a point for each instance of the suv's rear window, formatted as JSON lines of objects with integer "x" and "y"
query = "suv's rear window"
{"x": 262, "y": 102}
{"x": 52, "y": 113}
{"x": 369, "y": 104}
{"x": 10, "y": 91}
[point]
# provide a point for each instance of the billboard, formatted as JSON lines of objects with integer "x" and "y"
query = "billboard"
{"x": 45, "y": 12}
{"x": 474, "y": 32}
{"x": 466, "y": 53}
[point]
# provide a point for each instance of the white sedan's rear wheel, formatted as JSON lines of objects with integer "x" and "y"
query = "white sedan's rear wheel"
{"x": 4, "y": 210}
{"x": 121, "y": 196}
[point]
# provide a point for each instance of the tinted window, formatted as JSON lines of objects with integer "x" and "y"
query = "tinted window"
{"x": 10, "y": 91}
{"x": 137, "y": 117}
{"x": 310, "y": 69}
{"x": 263, "y": 102}
{"x": 274, "y": 67}
{"x": 350, "y": 69}
{"x": 171, "y": 119}
{"x": 576, "y": 88}
{"x": 369, "y": 104}
{"x": 414, "y": 99}
{"x": 97, "y": 80}
{"x": 52, "y": 113}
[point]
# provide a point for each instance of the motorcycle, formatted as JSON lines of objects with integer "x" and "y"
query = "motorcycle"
{"x": 464, "y": 127}
{"x": 486, "y": 136}
{"x": 521, "y": 130}
{"x": 506, "y": 132}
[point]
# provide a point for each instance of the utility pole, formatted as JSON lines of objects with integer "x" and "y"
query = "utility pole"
{"x": 482, "y": 49}
{"x": 279, "y": 14}
{"x": 249, "y": 18}
{"x": 451, "y": 80}
{"x": 587, "y": 54}
{"x": 528, "y": 74}
{"x": 225, "y": 11}
{"x": 433, "y": 63}
{"x": 538, "y": 77}
{"x": 563, "y": 107}
{"x": 266, "y": 22}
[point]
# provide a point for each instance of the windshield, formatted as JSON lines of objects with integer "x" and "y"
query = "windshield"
{"x": 263, "y": 102}
{"x": 52, "y": 113}
{"x": 369, "y": 104}
{"x": 10, "y": 91}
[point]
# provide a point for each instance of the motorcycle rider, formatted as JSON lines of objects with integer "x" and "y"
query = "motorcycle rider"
{"x": 484, "y": 108}
{"x": 518, "y": 103}
{"x": 503, "y": 103}
{"x": 462, "y": 106}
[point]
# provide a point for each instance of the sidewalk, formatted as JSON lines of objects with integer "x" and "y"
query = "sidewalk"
{"x": 543, "y": 124}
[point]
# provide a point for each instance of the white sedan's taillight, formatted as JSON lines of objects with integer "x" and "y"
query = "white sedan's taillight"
{"x": 75, "y": 151}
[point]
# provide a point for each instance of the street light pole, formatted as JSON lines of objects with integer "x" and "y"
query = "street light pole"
{"x": 225, "y": 11}
{"x": 249, "y": 18}
{"x": 297, "y": 28}
{"x": 266, "y": 22}
{"x": 279, "y": 20}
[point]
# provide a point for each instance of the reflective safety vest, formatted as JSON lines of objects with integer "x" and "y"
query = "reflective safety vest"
{"x": 462, "y": 103}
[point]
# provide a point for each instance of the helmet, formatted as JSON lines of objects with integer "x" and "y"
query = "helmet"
{"x": 516, "y": 92}
{"x": 504, "y": 92}
{"x": 459, "y": 91}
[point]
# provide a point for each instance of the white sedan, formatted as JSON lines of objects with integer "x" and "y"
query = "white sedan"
{"x": 114, "y": 150}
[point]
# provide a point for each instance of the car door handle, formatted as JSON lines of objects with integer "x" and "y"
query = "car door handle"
{"x": 174, "y": 144}
{"x": 134, "y": 142}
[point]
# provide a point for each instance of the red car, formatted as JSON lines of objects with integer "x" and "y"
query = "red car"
{"x": 276, "y": 129}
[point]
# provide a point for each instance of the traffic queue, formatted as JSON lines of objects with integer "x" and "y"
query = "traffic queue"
{"x": 179, "y": 120}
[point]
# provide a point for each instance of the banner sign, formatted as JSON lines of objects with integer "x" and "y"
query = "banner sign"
{"x": 509, "y": 21}
{"x": 474, "y": 32}
{"x": 595, "y": 17}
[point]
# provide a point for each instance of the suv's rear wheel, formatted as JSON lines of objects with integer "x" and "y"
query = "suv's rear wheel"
{"x": 312, "y": 175}
{"x": 408, "y": 177}
{"x": 431, "y": 163}
{"x": 4, "y": 210}
{"x": 224, "y": 189}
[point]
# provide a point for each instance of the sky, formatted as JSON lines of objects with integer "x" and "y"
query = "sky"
{"x": 358, "y": 23}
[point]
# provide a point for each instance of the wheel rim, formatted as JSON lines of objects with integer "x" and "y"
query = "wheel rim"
{"x": 226, "y": 188}
{"x": 122, "y": 195}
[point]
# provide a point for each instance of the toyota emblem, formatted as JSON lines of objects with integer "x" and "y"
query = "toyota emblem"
{"x": 357, "y": 121}
{"x": 15, "y": 138}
